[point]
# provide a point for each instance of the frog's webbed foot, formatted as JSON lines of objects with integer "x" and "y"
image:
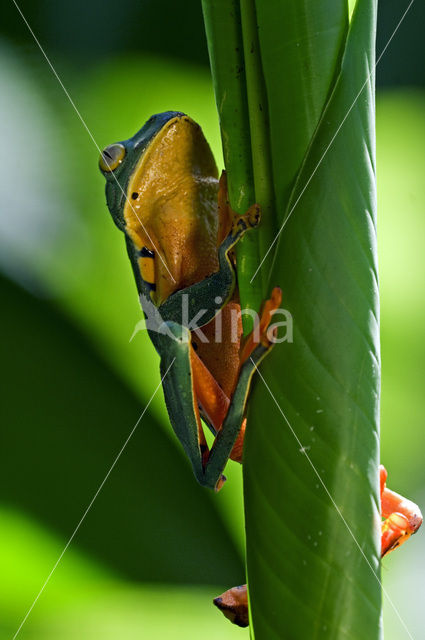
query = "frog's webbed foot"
{"x": 248, "y": 220}
{"x": 402, "y": 518}
{"x": 234, "y": 605}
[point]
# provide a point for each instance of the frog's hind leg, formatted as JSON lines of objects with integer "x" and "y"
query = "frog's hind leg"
{"x": 402, "y": 518}
{"x": 226, "y": 437}
{"x": 230, "y": 436}
{"x": 214, "y": 402}
{"x": 182, "y": 404}
{"x": 260, "y": 331}
{"x": 173, "y": 342}
{"x": 178, "y": 375}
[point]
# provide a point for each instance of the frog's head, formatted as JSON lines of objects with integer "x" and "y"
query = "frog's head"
{"x": 118, "y": 161}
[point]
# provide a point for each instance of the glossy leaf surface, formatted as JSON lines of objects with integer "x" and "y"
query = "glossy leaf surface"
{"x": 311, "y": 456}
{"x": 310, "y": 471}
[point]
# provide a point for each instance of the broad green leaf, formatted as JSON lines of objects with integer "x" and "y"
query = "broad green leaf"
{"x": 311, "y": 463}
{"x": 66, "y": 416}
{"x": 301, "y": 45}
{"x": 86, "y": 601}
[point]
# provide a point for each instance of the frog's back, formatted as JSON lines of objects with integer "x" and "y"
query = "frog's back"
{"x": 172, "y": 206}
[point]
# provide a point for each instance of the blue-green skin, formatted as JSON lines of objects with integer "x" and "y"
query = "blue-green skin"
{"x": 171, "y": 339}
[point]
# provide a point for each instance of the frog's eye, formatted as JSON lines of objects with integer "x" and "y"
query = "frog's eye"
{"x": 111, "y": 157}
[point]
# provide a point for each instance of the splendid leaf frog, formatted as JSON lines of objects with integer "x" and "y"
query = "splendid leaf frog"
{"x": 163, "y": 192}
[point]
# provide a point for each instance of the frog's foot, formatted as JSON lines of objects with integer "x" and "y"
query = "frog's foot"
{"x": 262, "y": 332}
{"x": 248, "y": 220}
{"x": 402, "y": 518}
{"x": 234, "y": 605}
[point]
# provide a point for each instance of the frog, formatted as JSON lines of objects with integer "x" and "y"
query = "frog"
{"x": 164, "y": 193}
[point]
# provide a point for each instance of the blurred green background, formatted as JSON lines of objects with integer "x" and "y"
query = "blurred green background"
{"x": 155, "y": 548}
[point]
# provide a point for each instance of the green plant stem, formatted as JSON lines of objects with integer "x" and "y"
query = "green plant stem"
{"x": 259, "y": 129}
{"x": 311, "y": 451}
{"x": 225, "y": 45}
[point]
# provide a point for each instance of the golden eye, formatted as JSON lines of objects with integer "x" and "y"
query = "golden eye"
{"x": 111, "y": 157}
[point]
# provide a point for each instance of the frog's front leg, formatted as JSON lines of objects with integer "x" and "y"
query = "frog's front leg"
{"x": 402, "y": 518}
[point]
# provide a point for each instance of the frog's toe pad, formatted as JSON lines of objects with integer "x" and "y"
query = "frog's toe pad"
{"x": 249, "y": 220}
{"x": 220, "y": 482}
